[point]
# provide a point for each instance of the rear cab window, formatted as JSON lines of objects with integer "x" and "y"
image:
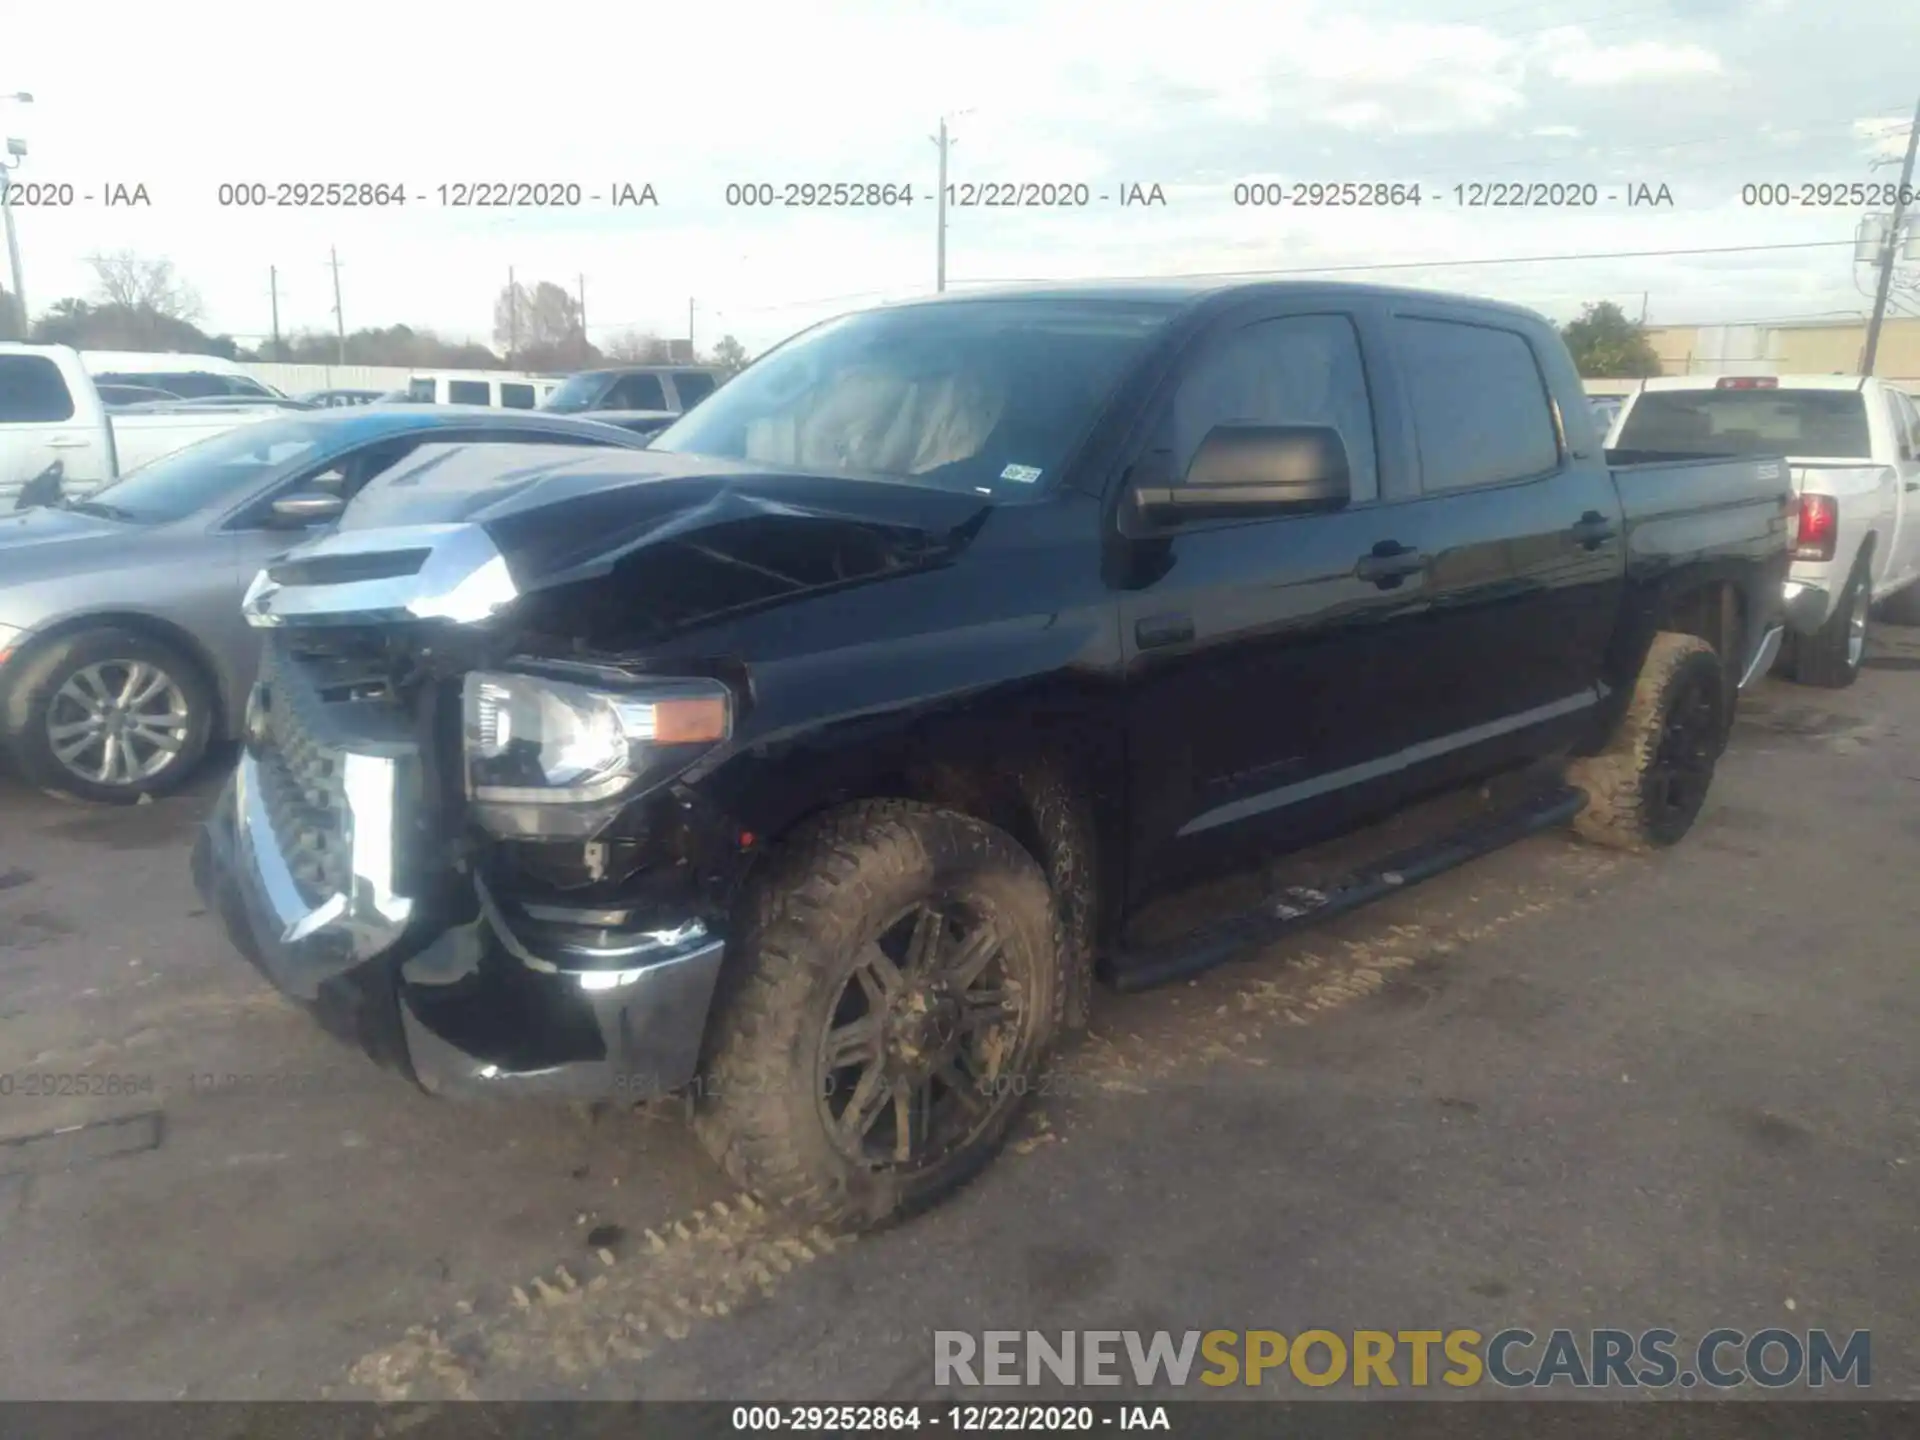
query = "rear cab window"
{"x": 1482, "y": 412}
{"x": 33, "y": 391}
{"x": 1803, "y": 424}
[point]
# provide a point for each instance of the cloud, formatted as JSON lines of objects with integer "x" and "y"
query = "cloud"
{"x": 1571, "y": 57}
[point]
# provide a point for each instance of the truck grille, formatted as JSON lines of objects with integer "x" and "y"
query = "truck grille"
{"x": 302, "y": 785}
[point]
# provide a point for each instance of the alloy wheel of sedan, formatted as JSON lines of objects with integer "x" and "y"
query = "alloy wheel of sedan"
{"x": 118, "y": 722}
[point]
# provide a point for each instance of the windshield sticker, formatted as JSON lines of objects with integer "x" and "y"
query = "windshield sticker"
{"x": 1021, "y": 474}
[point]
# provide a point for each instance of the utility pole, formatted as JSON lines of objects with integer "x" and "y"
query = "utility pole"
{"x": 1889, "y": 247}
{"x": 1643, "y": 308}
{"x": 273, "y": 288}
{"x": 940, "y": 209}
{"x": 583, "y": 319}
{"x": 16, "y": 152}
{"x": 339, "y": 315}
{"x": 513, "y": 317}
{"x": 691, "y": 355}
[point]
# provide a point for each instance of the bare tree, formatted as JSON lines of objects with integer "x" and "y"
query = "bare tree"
{"x": 637, "y": 347}
{"x": 544, "y": 320}
{"x": 143, "y": 286}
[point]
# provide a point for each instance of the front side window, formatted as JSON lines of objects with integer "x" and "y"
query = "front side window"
{"x": 1481, "y": 410}
{"x": 692, "y": 386}
{"x": 636, "y": 392}
{"x": 1302, "y": 370}
{"x": 420, "y": 390}
{"x": 987, "y": 396}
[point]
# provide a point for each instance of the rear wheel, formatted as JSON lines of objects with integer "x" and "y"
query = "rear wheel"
{"x": 1645, "y": 790}
{"x": 108, "y": 715}
{"x": 1903, "y": 608}
{"x": 887, "y": 1017}
{"x": 1831, "y": 657}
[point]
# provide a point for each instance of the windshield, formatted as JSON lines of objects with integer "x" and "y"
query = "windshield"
{"x": 1829, "y": 424}
{"x": 577, "y": 392}
{"x": 984, "y": 395}
{"x": 222, "y": 468}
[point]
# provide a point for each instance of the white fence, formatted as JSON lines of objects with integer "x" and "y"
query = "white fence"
{"x": 293, "y": 379}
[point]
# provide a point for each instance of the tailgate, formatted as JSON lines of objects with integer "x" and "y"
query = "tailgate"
{"x": 1836, "y": 477}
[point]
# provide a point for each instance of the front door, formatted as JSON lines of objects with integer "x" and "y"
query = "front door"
{"x": 1266, "y": 659}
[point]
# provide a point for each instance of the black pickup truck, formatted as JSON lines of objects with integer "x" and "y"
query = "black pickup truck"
{"x": 812, "y": 764}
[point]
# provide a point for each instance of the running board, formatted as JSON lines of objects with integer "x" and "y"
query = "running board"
{"x": 1296, "y": 907}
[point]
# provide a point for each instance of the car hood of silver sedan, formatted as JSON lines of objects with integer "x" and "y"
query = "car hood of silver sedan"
{"x": 35, "y": 542}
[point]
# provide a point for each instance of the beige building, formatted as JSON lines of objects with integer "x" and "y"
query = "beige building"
{"x": 1795, "y": 347}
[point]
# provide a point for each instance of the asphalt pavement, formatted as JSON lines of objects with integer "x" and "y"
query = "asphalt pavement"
{"x": 1560, "y": 1087}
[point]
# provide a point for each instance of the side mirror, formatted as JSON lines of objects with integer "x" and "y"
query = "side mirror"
{"x": 1246, "y": 472}
{"x": 309, "y": 507}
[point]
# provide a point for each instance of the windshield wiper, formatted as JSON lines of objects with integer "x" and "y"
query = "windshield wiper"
{"x": 104, "y": 509}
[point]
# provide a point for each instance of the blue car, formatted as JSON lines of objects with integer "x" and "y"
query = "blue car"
{"x": 122, "y": 648}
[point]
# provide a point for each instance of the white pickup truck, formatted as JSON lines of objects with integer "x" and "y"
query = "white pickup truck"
{"x": 50, "y": 412}
{"x": 1853, "y": 446}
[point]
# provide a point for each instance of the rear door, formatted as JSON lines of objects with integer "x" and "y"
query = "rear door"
{"x": 1266, "y": 675}
{"x": 635, "y": 392}
{"x": 1524, "y": 540}
{"x": 48, "y": 415}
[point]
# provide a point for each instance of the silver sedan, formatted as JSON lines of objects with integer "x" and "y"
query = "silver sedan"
{"x": 122, "y": 648}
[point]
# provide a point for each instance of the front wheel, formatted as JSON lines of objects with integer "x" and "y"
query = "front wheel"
{"x": 887, "y": 1017}
{"x": 108, "y": 715}
{"x": 1645, "y": 790}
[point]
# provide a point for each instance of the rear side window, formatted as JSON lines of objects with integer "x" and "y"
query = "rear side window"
{"x": 1480, "y": 406}
{"x": 692, "y": 386}
{"x": 636, "y": 392}
{"x": 32, "y": 391}
{"x": 1811, "y": 424}
{"x": 516, "y": 397}
{"x": 469, "y": 392}
{"x": 1303, "y": 370}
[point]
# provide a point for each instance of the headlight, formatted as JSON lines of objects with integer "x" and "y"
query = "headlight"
{"x": 532, "y": 741}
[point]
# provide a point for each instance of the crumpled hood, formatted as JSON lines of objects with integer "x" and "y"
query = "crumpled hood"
{"x": 560, "y": 515}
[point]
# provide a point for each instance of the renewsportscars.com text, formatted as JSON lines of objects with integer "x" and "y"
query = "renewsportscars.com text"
{"x": 1722, "y": 1359}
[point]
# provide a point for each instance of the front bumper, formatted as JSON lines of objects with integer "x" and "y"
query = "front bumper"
{"x": 551, "y": 1003}
{"x": 1807, "y": 606}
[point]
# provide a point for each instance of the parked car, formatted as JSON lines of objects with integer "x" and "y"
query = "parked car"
{"x": 332, "y": 399}
{"x": 185, "y": 375}
{"x": 509, "y": 392}
{"x": 668, "y": 389}
{"x": 51, "y": 413}
{"x": 1854, "y": 449}
{"x": 117, "y": 396}
{"x": 806, "y": 761}
{"x": 640, "y": 422}
{"x": 122, "y": 648}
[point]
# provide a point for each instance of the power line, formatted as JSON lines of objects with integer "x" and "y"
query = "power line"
{"x": 1420, "y": 264}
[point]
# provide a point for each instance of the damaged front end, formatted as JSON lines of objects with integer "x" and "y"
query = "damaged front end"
{"x": 468, "y": 834}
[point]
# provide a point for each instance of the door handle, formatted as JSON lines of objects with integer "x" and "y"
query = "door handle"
{"x": 1156, "y": 630}
{"x": 68, "y": 442}
{"x": 1592, "y": 530}
{"x": 1389, "y": 563}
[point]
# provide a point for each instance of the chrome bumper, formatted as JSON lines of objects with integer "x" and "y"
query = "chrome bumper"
{"x": 1807, "y": 606}
{"x": 549, "y": 1003}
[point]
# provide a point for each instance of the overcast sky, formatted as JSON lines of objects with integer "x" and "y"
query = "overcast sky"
{"x": 1700, "y": 95}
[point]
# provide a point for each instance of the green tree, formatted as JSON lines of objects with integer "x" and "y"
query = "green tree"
{"x": 730, "y": 356}
{"x": 1606, "y": 345}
